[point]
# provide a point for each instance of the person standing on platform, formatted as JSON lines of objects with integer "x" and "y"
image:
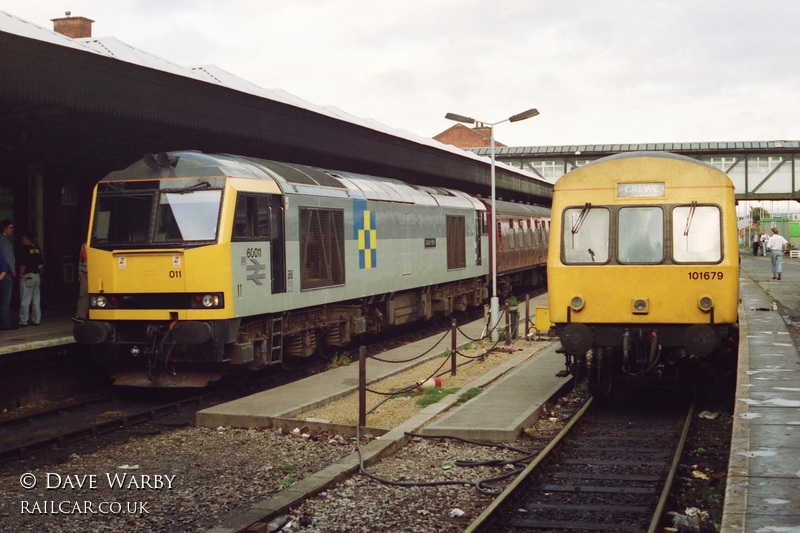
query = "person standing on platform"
{"x": 83, "y": 292}
{"x": 7, "y": 251}
{"x": 775, "y": 245}
{"x": 756, "y": 242}
{"x": 764, "y": 240}
{"x": 30, "y": 281}
{"x": 6, "y": 284}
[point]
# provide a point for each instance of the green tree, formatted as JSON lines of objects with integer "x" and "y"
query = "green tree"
{"x": 757, "y": 213}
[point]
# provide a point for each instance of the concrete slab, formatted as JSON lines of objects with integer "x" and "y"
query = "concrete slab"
{"x": 512, "y": 403}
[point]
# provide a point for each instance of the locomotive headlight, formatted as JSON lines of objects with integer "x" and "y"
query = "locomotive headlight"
{"x": 100, "y": 301}
{"x": 576, "y": 303}
{"x": 207, "y": 301}
{"x": 705, "y": 303}
{"x": 641, "y": 306}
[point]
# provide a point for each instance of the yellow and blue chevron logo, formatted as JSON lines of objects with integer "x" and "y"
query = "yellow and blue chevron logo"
{"x": 366, "y": 234}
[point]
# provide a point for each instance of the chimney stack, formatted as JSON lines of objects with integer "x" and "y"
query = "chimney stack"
{"x": 73, "y": 27}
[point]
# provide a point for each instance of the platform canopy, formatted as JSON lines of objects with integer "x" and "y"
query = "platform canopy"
{"x": 100, "y": 104}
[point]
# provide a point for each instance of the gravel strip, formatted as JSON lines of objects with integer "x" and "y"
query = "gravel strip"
{"x": 185, "y": 480}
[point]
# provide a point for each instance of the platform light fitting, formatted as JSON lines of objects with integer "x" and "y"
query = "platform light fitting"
{"x": 494, "y": 301}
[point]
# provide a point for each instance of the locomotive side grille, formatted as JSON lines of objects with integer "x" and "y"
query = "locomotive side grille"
{"x": 456, "y": 242}
{"x": 321, "y": 248}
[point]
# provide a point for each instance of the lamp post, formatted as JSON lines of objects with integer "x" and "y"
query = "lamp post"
{"x": 494, "y": 303}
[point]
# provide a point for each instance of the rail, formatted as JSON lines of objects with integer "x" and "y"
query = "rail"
{"x": 588, "y": 484}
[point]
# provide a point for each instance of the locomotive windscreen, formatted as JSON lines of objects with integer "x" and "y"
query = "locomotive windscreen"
{"x": 152, "y": 217}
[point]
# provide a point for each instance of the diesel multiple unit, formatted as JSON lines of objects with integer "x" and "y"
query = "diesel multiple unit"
{"x": 643, "y": 270}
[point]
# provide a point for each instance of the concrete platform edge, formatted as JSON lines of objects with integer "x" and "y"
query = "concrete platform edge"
{"x": 735, "y": 505}
{"x": 35, "y": 344}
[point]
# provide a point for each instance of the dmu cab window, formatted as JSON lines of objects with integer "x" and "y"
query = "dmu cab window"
{"x": 641, "y": 235}
{"x": 696, "y": 234}
{"x": 585, "y": 235}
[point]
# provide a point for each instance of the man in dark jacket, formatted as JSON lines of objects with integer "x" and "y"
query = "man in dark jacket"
{"x": 30, "y": 267}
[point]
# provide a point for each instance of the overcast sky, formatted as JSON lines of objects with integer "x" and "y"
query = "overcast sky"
{"x": 599, "y": 71}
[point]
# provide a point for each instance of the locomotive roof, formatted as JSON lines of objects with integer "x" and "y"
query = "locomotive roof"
{"x": 292, "y": 178}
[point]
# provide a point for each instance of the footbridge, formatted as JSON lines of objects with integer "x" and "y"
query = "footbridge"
{"x": 760, "y": 170}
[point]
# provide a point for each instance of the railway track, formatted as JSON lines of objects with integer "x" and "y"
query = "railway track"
{"x": 57, "y": 429}
{"x": 608, "y": 470}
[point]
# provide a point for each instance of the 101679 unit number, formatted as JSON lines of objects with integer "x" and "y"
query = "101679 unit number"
{"x": 705, "y": 275}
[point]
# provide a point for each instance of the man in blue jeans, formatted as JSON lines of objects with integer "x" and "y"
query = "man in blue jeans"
{"x": 775, "y": 245}
{"x": 7, "y": 251}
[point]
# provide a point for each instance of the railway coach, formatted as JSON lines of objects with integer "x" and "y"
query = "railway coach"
{"x": 643, "y": 270}
{"x": 202, "y": 264}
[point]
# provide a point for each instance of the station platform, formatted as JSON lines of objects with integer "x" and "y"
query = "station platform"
{"x": 55, "y": 330}
{"x": 763, "y": 486}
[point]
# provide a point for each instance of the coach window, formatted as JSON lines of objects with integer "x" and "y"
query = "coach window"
{"x": 641, "y": 235}
{"x": 522, "y": 233}
{"x": 696, "y": 234}
{"x": 585, "y": 235}
{"x": 529, "y": 235}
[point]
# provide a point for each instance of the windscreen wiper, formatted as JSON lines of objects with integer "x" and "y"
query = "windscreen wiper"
{"x": 190, "y": 188}
{"x": 581, "y": 218}
{"x": 689, "y": 218}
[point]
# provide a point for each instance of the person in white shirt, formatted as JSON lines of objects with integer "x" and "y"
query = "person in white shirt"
{"x": 775, "y": 245}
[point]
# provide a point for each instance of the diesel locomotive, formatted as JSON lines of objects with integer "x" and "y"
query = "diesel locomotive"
{"x": 202, "y": 265}
{"x": 643, "y": 270}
